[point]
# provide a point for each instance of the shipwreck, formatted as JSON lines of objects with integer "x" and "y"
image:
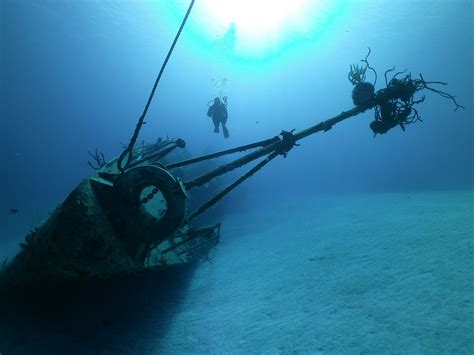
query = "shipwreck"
{"x": 133, "y": 214}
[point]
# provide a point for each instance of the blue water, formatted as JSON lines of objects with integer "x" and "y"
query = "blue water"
{"x": 75, "y": 76}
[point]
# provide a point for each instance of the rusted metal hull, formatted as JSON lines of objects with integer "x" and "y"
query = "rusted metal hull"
{"x": 92, "y": 234}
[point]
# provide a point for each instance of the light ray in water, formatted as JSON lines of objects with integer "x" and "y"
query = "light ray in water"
{"x": 259, "y": 28}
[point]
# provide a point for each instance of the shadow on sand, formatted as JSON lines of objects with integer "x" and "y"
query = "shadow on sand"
{"x": 120, "y": 316}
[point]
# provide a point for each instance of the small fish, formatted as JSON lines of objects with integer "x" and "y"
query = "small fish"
{"x": 13, "y": 210}
{"x": 256, "y": 121}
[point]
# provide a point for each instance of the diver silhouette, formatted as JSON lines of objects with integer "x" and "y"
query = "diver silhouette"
{"x": 218, "y": 112}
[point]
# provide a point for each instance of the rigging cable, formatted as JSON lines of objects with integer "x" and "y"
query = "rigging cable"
{"x": 129, "y": 150}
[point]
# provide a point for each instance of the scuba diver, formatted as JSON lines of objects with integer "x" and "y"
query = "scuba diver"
{"x": 218, "y": 112}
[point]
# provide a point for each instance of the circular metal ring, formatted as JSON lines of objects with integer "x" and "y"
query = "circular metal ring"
{"x": 144, "y": 227}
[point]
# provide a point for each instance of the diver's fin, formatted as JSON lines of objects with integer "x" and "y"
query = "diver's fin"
{"x": 225, "y": 131}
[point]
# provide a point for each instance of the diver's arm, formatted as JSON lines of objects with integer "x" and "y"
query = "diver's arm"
{"x": 210, "y": 111}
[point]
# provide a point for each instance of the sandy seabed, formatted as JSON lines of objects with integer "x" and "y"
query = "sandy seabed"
{"x": 377, "y": 273}
{"x": 337, "y": 274}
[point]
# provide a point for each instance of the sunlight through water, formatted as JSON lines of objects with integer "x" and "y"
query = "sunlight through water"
{"x": 260, "y": 25}
{"x": 260, "y": 28}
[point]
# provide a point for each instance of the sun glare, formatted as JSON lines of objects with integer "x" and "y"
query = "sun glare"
{"x": 259, "y": 26}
